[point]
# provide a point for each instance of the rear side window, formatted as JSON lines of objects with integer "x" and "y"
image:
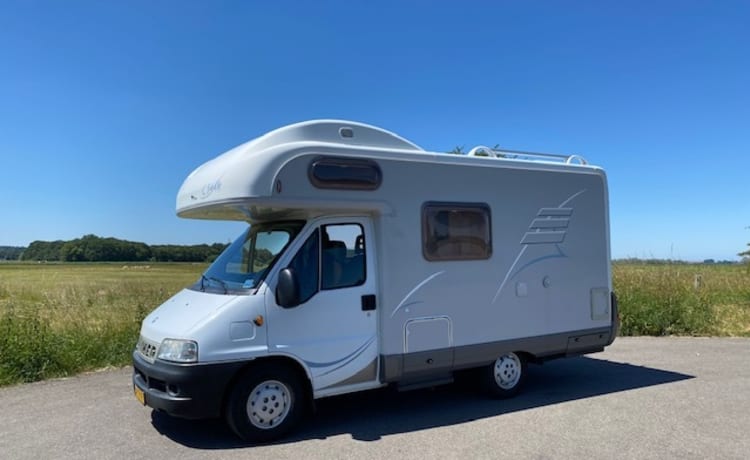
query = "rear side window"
{"x": 456, "y": 231}
{"x": 345, "y": 173}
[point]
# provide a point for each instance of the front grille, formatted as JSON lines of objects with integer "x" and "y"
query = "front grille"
{"x": 146, "y": 349}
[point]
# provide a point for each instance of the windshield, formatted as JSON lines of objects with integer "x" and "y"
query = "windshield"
{"x": 245, "y": 263}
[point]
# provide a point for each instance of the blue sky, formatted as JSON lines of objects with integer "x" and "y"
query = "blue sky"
{"x": 105, "y": 107}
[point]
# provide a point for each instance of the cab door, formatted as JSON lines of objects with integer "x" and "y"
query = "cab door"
{"x": 333, "y": 330}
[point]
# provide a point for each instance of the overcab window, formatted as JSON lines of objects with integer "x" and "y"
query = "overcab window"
{"x": 345, "y": 174}
{"x": 456, "y": 231}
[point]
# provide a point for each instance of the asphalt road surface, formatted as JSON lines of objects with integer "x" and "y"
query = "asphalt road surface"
{"x": 642, "y": 398}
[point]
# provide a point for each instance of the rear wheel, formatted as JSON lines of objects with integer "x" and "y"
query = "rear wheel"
{"x": 505, "y": 377}
{"x": 265, "y": 403}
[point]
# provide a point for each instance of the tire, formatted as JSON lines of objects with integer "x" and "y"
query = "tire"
{"x": 265, "y": 403}
{"x": 505, "y": 377}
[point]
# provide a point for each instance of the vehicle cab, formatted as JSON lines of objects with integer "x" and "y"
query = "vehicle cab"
{"x": 318, "y": 325}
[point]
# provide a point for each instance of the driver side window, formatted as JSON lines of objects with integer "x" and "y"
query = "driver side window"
{"x": 333, "y": 257}
{"x": 343, "y": 249}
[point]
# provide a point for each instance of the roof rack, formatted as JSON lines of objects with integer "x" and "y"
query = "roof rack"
{"x": 482, "y": 151}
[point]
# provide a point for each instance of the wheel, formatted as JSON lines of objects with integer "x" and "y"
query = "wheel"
{"x": 505, "y": 377}
{"x": 265, "y": 403}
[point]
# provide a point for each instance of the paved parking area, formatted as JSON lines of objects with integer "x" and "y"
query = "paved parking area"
{"x": 641, "y": 398}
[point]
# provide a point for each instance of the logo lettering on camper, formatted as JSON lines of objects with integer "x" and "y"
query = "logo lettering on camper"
{"x": 208, "y": 189}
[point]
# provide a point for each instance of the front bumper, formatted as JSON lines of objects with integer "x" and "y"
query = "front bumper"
{"x": 184, "y": 390}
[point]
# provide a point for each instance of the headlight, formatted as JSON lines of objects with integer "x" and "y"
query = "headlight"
{"x": 181, "y": 351}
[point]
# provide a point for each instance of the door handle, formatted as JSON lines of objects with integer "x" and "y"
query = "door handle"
{"x": 368, "y": 302}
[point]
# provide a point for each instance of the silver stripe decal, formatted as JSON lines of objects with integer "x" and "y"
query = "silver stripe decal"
{"x": 543, "y": 237}
{"x": 507, "y": 275}
{"x": 366, "y": 346}
{"x": 356, "y": 352}
{"x": 550, "y": 212}
{"x": 366, "y": 374}
{"x": 429, "y": 278}
{"x": 544, "y": 224}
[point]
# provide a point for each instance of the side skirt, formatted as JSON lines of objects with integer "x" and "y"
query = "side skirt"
{"x": 424, "y": 365}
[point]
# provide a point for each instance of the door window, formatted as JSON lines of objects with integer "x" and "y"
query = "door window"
{"x": 343, "y": 252}
{"x": 333, "y": 257}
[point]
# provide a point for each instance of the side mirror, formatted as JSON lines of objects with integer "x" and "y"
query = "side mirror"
{"x": 287, "y": 289}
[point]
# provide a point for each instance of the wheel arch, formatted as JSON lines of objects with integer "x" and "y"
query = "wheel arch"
{"x": 284, "y": 361}
{"x": 528, "y": 356}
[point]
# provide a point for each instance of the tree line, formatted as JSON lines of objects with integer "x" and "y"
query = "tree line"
{"x": 91, "y": 248}
{"x": 10, "y": 252}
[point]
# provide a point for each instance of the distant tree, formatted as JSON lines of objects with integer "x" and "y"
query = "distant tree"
{"x": 92, "y": 248}
{"x": 43, "y": 250}
{"x": 745, "y": 254}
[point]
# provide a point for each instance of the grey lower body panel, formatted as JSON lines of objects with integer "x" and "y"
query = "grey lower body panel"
{"x": 440, "y": 362}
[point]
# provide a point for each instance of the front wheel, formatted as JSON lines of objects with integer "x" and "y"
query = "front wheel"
{"x": 265, "y": 403}
{"x": 505, "y": 377}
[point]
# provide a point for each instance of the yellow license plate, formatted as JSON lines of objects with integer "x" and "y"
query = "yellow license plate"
{"x": 139, "y": 395}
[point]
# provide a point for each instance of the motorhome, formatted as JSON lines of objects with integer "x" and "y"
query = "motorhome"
{"x": 368, "y": 261}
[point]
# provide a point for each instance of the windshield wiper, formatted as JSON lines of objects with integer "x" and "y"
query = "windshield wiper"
{"x": 213, "y": 278}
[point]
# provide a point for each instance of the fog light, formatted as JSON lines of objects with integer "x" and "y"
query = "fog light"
{"x": 173, "y": 390}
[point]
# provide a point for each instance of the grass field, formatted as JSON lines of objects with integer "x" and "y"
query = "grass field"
{"x": 683, "y": 299}
{"x": 60, "y": 319}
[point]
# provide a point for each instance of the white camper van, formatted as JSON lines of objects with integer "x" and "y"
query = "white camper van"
{"x": 369, "y": 261}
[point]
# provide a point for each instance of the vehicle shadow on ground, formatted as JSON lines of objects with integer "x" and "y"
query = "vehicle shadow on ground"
{"x": 368, "y": 416}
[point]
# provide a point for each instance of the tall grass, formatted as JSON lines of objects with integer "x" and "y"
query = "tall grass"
{"x": 683, "y": 299}
{"x": 60, "y": 319}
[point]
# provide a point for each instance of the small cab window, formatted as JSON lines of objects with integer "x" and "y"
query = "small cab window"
{"x": 345, "y": 174}
{"x": 456, "y": 231}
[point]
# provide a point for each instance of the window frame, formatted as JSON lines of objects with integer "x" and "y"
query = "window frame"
{"x": 437, "y": 206}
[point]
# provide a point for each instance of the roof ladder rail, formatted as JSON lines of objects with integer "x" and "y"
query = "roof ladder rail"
{"x": 482, "y": 151}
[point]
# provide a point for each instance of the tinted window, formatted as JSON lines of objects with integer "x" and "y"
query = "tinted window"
{"x": 456, "y": 231}
{"x": 345, "y": 173}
